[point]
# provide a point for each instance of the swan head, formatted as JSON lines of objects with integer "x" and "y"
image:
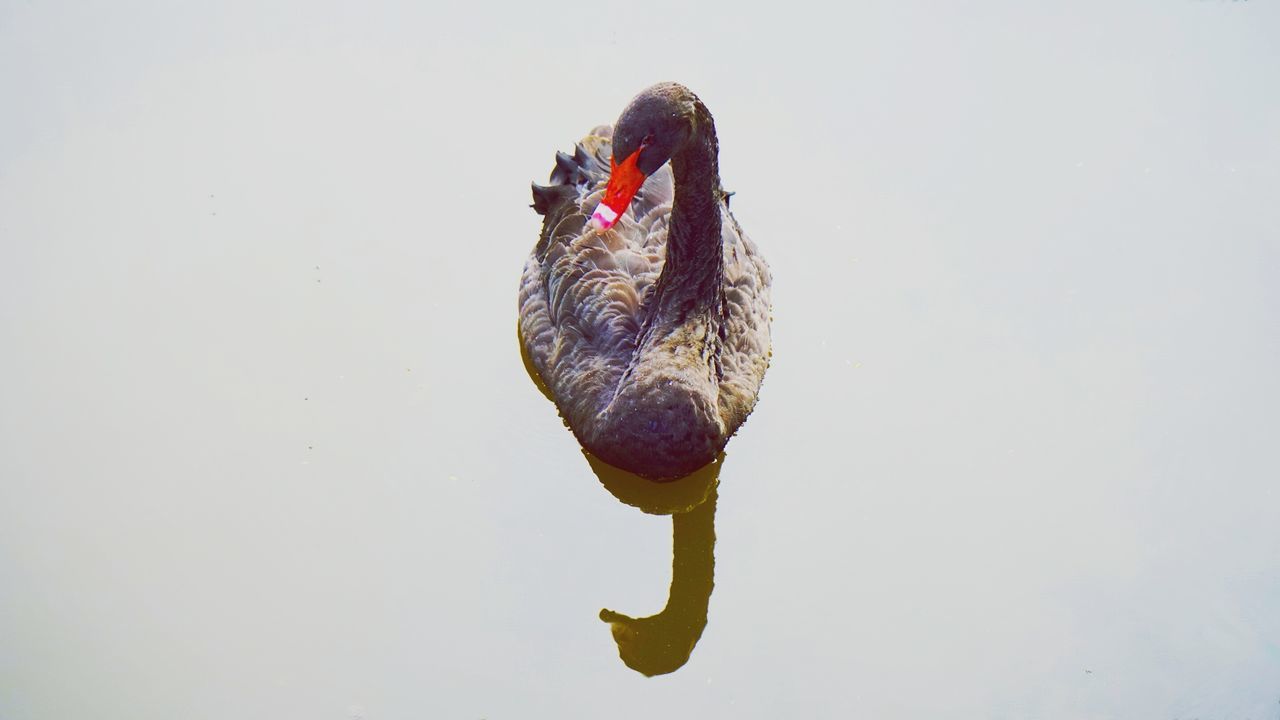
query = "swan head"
{"x": 653, "y": 128}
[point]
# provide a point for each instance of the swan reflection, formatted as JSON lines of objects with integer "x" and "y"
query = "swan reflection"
{"x": 662, "y": 643}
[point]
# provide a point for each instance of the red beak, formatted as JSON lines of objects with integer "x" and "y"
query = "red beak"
{"x": 625, "y": 180}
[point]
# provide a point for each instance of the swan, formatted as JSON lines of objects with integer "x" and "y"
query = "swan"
{"x": 644, "y": 308}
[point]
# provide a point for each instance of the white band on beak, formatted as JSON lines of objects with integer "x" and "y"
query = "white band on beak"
{"x": 604, "y": 217}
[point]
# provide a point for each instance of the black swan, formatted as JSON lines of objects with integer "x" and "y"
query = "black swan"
{"x": 644, "y": 308}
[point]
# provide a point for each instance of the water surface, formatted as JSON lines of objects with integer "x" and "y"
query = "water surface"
{"x": 268, "y": 450}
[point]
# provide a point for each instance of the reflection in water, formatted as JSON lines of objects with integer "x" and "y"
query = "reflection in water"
{"x": 662, "y": 643}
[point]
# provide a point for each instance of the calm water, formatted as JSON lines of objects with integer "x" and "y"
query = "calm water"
{"x": 268, "y": 449}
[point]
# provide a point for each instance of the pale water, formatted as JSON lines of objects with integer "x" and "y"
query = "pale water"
{"x": 268, "y": 450}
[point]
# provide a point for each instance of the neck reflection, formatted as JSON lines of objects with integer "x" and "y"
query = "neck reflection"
{"x": 662, "y": 643}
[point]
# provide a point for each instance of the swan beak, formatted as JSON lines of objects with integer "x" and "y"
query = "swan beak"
{"x": 603, "y": 218}
{"x": 625, "y": 180}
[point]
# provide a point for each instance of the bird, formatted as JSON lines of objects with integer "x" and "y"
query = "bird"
{"x": 644, "y": 308}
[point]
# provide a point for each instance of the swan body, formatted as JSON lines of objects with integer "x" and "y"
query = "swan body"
{"x": 648, "y": 324}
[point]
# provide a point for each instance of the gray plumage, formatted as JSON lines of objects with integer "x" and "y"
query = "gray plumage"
{"x": 654, "y": 351}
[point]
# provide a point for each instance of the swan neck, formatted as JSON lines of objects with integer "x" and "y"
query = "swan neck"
{"x": 694, "y": 248}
